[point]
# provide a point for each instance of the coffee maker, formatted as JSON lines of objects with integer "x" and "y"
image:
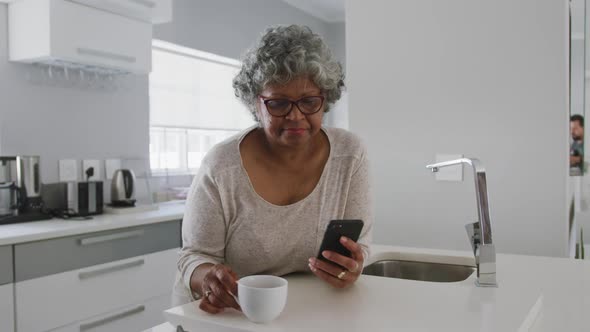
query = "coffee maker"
{"x": 20, "y": 190}
{"x": 8, "y": 187}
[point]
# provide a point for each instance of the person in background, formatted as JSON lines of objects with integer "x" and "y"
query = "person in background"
{"x": 577, "y": 143}
{"x": 262, "y": 199}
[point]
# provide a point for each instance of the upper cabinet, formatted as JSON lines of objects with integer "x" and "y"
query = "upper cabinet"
{"x": 152, "y": 11}
{"x": 77, "y": 33}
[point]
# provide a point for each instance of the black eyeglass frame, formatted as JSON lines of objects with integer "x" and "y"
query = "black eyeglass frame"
{"x": 265, "y": 101}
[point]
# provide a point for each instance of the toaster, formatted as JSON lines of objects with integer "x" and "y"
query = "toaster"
{"x": 79, "y": 198}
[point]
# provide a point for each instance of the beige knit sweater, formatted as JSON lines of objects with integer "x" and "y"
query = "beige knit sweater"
{"x": 226, "y": 221}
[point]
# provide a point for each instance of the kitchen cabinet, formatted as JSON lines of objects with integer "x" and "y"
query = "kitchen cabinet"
{"x": 136, "y": 317}
{"x": 68, "y": 33}
{"x": 6, "y": 289}
{"x": 7, "y": 308}
{"x": 98, "y": 280}
{"x": 152, "y": 11}
{"x": 6, "y": 268}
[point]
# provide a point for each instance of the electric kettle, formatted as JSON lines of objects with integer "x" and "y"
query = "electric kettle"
{"x": 123, "y": 188}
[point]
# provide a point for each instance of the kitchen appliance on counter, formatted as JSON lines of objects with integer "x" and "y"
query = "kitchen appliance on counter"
{"x": 20, "y": 189}
{"x": 73, "y": 199}
{"x": 123, "y": 188}
{"x": 8, "y": 187}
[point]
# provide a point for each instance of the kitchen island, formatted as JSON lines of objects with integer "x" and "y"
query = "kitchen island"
{"x": 534, "y": 294}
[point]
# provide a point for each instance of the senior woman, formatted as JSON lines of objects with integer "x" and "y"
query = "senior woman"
{"x": 262, "y": 199}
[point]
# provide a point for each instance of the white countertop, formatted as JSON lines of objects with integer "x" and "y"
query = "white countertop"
{"x": 53, "y": 228}
{"x": 538, "y": 294}
{"x": 549, "y": 294}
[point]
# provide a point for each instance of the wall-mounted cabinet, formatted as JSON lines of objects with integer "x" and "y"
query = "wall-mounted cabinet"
{"x": 152, "y": 11}
{"x": 71, "y": 33}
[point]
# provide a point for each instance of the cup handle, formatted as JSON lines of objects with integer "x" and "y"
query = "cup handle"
{"x": 235, "y": 298}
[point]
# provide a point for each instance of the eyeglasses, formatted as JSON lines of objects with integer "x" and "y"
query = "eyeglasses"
{"x": 282, "y": 107}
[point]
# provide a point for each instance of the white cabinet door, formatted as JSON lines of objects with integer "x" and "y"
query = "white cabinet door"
{"x": 60, "y": 299}
{"x": 45, "y": 31}
{"x": 6, "y": 308}
{"x": 97, "y": 37}
{"x": 152, "y": 11}
{"x": 137, "y": 317}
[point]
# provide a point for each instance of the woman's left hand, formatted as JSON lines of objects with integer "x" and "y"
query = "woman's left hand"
{"x": 344, "y": 271}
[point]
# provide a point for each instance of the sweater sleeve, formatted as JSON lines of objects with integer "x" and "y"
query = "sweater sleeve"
{"x": 203, "y": 226}
{"x": 358, "y": 203}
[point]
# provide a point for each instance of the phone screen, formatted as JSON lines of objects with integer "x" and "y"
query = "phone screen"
{"x": 336, "y": 229}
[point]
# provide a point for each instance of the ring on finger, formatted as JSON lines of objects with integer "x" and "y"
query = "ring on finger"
{"x": 341, "y": 275}
{"x": 207, "y": 293}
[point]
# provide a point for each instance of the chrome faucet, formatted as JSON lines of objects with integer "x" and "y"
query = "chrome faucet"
{"x": 479, "y": 232}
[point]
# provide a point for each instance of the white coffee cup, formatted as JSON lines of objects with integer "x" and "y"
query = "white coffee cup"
{"x": 262, "y": 297}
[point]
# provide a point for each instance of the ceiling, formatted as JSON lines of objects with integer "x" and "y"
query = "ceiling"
{"x": 326, "y": 10}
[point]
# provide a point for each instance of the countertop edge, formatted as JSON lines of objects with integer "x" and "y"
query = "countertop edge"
{"x": 13, "y": 234}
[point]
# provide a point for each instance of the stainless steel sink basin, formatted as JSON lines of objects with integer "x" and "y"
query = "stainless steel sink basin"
{"x": 419, "y": 271}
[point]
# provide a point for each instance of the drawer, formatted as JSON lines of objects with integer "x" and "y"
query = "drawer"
{"x": 6, "y": 308}
{"x": 43, "y": 258}
{"x": 6, "y": 270}
{"x": 137, "y": 317}
{"x": 61, "y": 299}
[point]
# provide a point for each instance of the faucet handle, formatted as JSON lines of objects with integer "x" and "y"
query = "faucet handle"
{"x": 486, "y": 266}
{"x": 473, "y": 233}
{"x": 485, "y": 257}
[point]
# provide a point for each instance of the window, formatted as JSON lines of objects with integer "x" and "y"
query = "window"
{"x": 192, "y": 106}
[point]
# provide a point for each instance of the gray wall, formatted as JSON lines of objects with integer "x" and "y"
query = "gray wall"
{"x": 59, "y": 123}
{"x": 228, "y": 27}
{"x": 577, "y": 57}
{"x": 432, "y": 76}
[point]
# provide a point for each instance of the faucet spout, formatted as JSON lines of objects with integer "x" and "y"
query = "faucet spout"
{"x": 480, "y": 233}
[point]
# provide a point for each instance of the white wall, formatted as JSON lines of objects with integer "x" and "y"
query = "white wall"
{"x": 58, "y": 123}
{"x": 336, "y": 40}
{"x": 483, "y": 79}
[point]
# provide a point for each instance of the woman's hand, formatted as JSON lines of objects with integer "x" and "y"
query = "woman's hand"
{"x": 334, "y": 273}
{"x": 217, "y": 287}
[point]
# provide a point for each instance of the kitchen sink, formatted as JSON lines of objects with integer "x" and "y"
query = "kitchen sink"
{"x": 422, "y": 271}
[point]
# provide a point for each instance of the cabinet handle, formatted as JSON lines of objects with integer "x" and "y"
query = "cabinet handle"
{"x": 117, "y": 316}
{"x": 110, "y": 237}
{"x": 109, "y": 269}
{"x": 105, "y": 55}
{"x": 146, "y": 3}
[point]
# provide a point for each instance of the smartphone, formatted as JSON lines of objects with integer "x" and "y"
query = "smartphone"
{"x": 337, "y": 228}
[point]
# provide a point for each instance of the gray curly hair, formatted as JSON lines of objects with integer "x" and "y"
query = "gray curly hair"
{"x": 283, "y": 54}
